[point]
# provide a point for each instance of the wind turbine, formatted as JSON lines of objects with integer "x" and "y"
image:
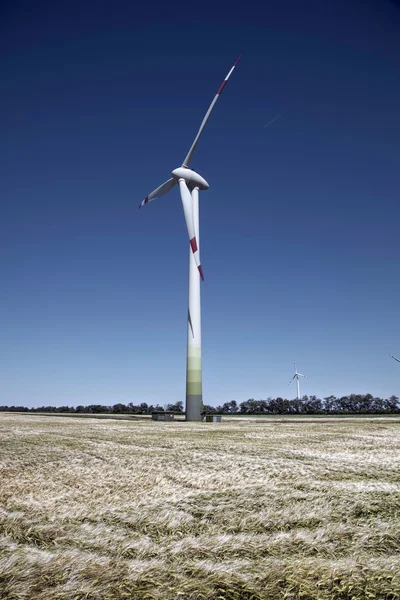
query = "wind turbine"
{"x": 190, "y": 183}
{"x": 398, "y": 360}
{"x": 297, "y": 377}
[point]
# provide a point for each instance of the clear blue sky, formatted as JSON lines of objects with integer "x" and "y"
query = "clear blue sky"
{"x": 299, "y": 230}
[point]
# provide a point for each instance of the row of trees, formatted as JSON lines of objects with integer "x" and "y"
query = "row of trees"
{"x": 311, "y": 405}
{"x": 308, "y": 405}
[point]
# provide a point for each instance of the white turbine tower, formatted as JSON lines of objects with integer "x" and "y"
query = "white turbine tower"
{"x": 297, "y": 377}
{"x": 398, "y": 360}
{"x": 190, "y": 183}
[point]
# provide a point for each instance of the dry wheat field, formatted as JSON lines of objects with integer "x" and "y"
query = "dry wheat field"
{"x": 250, "y": 510}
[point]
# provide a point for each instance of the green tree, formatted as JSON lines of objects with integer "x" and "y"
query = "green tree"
{"x": 177, "y": 407}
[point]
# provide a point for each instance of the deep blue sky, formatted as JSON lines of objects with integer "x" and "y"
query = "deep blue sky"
{"x": 299, "y": 230}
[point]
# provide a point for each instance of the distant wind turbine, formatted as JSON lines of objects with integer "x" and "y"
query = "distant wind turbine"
{"x": 398, "y": 360}
{"x": 297, "y": 377}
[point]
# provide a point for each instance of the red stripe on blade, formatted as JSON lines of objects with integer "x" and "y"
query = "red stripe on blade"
{"x": 238, "y": 58}
{"x": 193, "y": 245}
{"x": 201, "y": 272}
{"x": 146, "y": 200}
{"x": 222, "y": 87}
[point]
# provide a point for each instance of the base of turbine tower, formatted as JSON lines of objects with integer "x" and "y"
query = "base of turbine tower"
{"x": 194, "y": 408}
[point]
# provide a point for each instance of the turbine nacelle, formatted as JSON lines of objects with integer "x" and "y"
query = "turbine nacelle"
{"x": 192, "y": 178}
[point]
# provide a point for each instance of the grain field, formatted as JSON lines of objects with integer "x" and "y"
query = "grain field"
{"x": 240, "y": 510}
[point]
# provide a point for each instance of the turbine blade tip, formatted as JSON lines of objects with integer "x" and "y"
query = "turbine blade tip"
{"x": 238, "y": 58}
{"x": 201, "y": 272}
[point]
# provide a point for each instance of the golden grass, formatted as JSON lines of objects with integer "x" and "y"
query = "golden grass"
{"x": 103, "y": 509}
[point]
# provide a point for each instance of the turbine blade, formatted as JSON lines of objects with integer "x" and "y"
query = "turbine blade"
{"x": 189, "y": 155}
{"x": 160, "y": 191}
{"x": 294, "y": 377}
{"x": 300, "y": 375}
{"x": 398, "y": 360}
{"x": 187, "y": 203}
{"x": 190, "y": 323}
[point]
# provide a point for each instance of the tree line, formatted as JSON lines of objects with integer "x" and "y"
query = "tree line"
{"x": 307, "y": 405}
